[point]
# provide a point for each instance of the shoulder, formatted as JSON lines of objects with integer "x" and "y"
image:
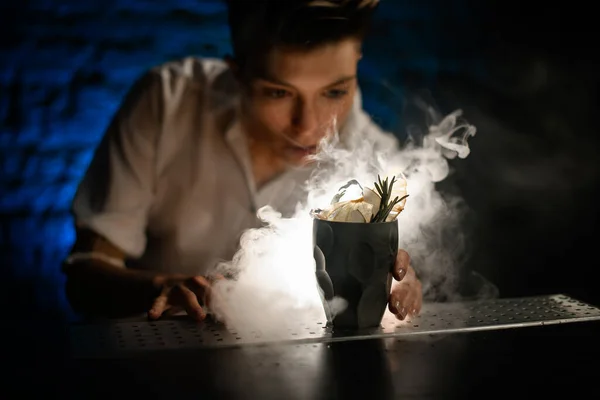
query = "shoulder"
{"x": 192, "y": 73}
{"x": 183, "y": 82}
{"x": 165, "y": 85}
{"x": 192, "y": 69}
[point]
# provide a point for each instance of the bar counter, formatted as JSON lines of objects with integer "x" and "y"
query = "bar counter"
{"x": 518, "y": 347}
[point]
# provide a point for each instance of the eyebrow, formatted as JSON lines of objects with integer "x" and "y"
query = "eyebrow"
{"x": 283, "y": 83}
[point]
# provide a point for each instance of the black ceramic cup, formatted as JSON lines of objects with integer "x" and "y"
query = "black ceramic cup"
{"x": 354, "y": 261}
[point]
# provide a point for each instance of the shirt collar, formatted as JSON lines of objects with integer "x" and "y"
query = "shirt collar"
{"x": 349, "y": 136}
{"x": 238, "y": 143}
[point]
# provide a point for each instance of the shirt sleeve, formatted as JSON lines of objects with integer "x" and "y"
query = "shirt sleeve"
{"x": 117, "y": 190}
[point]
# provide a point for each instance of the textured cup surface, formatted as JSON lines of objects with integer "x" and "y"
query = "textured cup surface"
{"x": 354, "y": 261}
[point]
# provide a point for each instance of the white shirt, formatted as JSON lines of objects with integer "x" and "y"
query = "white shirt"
{"x": 171, "y": 182}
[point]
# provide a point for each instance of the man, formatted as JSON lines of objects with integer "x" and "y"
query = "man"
{"x": 199, "y": 145}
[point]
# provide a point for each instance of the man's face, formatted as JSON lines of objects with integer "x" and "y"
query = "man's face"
{"x": 301, "y": 97}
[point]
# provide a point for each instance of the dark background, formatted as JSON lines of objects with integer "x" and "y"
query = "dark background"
{"x": 524, "y": 73}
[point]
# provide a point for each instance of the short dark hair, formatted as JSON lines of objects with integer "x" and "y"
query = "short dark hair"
{"x": 256, "y": 26}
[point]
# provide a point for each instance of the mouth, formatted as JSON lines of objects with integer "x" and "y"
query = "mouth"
{"x": 299, "y": 150}
{"x": 302, "y": 151}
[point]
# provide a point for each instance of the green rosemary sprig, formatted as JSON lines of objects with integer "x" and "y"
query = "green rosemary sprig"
{"x": 384, "y": 191}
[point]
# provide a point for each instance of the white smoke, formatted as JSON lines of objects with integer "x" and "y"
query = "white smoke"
{"x": 273, "y": 276}
{"x": 273, "y": 272}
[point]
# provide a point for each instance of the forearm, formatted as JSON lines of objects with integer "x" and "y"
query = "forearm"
{"x": 97, "y": 288}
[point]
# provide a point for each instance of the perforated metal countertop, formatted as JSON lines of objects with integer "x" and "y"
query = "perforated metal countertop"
{"x": 118, "y": 337}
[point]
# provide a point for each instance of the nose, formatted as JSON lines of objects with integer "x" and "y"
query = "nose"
{"x": 304, "y": 119}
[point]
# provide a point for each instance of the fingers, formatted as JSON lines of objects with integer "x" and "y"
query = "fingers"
{"x": 215, "y": 277}
{"x": 417, "y": 305}
{"x": 402, "y": 265}
{"x": 406, "y": 299}
{"x": 160, "y": 305}
{"x": 188, "y": 295}
{"x": 201, "y": 288}
{"x": 399, "y": 301}
{"x": 189, "y": 301}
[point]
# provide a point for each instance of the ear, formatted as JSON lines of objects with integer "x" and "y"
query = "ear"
{"x": 359, "y": 50}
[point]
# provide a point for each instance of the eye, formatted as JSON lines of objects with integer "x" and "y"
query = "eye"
{"x": 336, "y": 93}
{"x": 275, "y": 93}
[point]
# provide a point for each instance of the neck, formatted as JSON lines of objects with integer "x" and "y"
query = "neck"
{"x": 265, "y": 164}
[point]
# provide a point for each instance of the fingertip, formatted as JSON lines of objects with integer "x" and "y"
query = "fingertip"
{"x": 394, "y": 306}
{"x": 401, "y": 315}
{"x": 400, "y": 274}
{"x": 200, "y": 314}
{"x": 417, "y": 309}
